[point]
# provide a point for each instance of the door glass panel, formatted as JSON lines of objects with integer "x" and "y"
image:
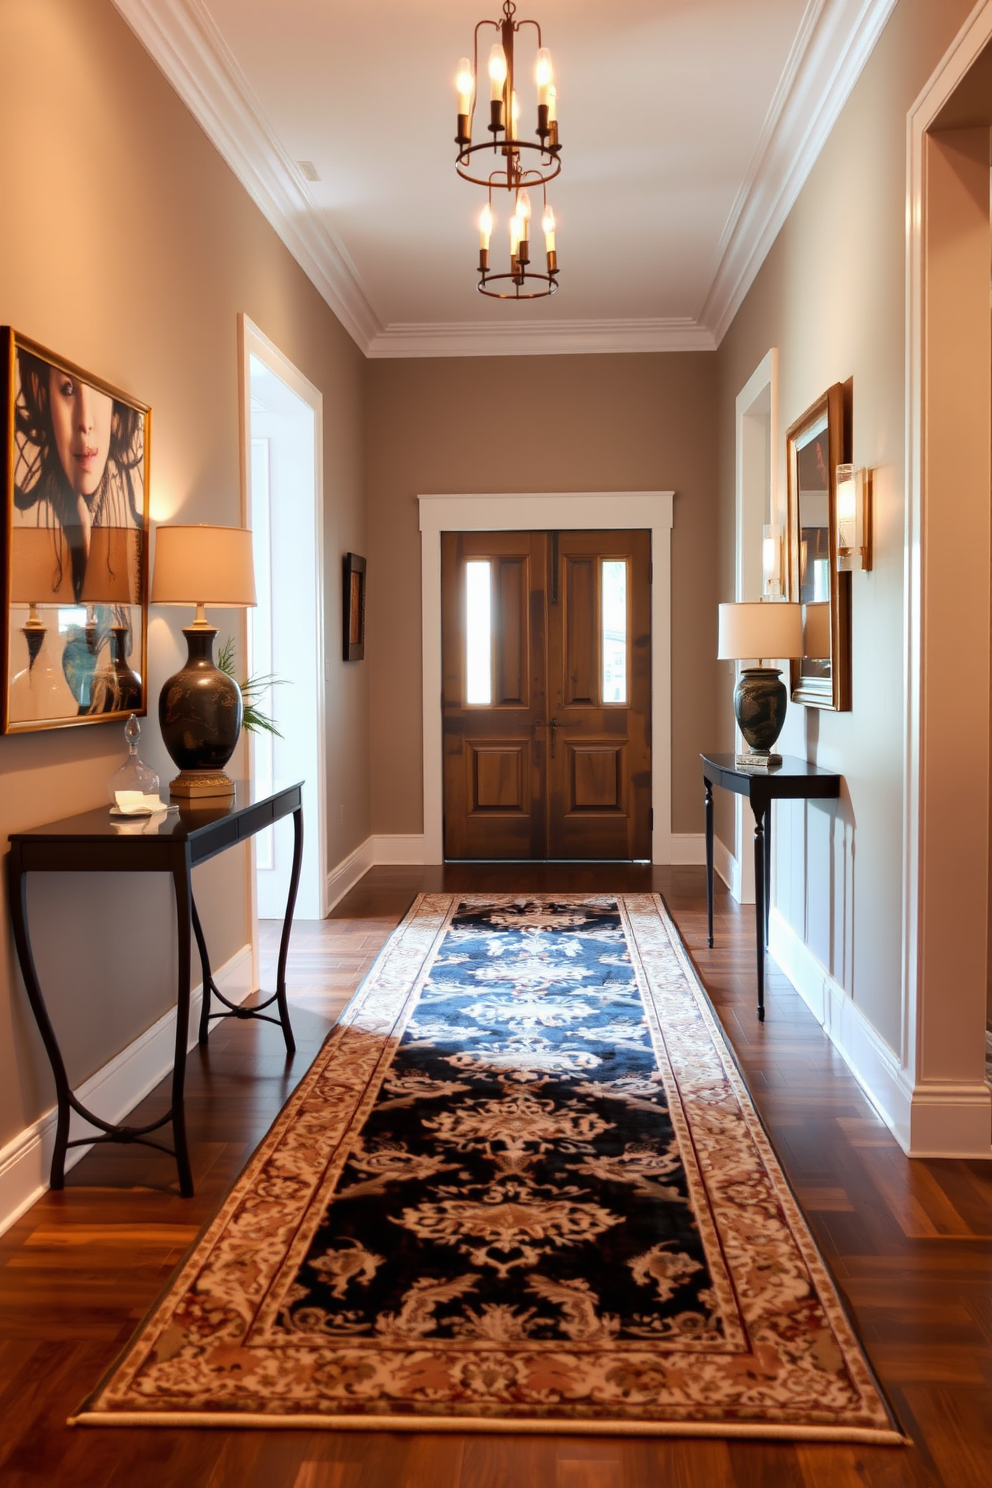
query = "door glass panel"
{"x": 478, "y": 632}
{"x": 614, "y": 612}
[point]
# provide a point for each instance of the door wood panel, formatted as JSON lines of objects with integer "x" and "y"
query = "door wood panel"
{"x": 599, "y": 757}
{"x": 549, "y": 767}
{"x": 495, "y": 799}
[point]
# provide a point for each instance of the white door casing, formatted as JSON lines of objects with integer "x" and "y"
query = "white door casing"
{"x": 554, "y": 511}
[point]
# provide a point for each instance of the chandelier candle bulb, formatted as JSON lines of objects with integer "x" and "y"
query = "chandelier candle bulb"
{"x": 548, "y": 224}
{"x": 465, "y": 85}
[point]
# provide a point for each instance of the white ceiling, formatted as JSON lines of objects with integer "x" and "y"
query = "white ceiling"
{"x": 687, "y": 128}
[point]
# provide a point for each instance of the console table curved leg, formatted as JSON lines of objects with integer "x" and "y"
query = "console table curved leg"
{"x": 760, "y": 889}
{"x": 709, "y": 861}
{"x": 17, "y": 885}
{"x": 184, "y": 910}
{"x": 206, "y": 973}
{"x": 287, "y": 926}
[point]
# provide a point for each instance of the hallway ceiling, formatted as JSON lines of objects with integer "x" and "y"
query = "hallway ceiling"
{"x": 688, "y": 127}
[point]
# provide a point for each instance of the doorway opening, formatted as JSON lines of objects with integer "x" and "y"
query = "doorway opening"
{"x": 546, "y": 655}
{"x": 283, "y": 503}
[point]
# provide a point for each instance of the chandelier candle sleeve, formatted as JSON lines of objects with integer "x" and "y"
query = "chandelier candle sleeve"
{"x": 465, "y": 85}
{"x": 497, "y": 82}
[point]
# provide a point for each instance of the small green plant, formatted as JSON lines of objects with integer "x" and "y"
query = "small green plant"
{"x": 254, "y": 720}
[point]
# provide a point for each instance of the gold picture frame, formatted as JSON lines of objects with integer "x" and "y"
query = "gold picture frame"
{"x": 73, "y": 543}
{"x": 815, "y": 445}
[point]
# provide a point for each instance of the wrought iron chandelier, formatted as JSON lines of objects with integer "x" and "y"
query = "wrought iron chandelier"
{"x": 526, "y": 164}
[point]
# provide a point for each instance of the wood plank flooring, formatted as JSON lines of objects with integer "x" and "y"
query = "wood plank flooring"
{"x": 910, "y": 1245}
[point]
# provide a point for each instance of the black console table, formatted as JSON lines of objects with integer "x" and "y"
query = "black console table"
{"x": 793, "y": 780}
{"x": 175, "y": 844}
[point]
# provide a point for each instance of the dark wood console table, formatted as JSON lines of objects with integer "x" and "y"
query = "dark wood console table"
{"x": 95, "y": 842}
{"x": 793, "y": 780}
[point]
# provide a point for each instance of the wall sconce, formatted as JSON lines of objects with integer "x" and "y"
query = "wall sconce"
{"x": 771, "y": 560}
{"x": 853, "y": 519}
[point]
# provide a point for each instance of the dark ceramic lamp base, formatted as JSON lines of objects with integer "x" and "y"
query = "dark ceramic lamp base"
{"x": 200, "y": 714}
{"x": 759, "y": 704}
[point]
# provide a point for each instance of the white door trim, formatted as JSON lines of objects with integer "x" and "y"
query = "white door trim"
{"x": 757, "y": 502}
{"x": 254, "y": 342}
{"x": 559, "y": 511}
{"x": 941, "y": 1116}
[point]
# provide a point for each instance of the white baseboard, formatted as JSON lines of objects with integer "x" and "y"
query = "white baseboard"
{"x": 946, "y": 1120}
{"x": 348, "y": 872}
{"x": 407, "y": 849}
{"x": 727, "y": 866}
{"x": 114, "y": 1090}
{"x": 687, "y": 848}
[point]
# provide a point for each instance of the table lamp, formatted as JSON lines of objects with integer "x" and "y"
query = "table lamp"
{"x": 113, "y": 577}
{"x": 200, "y": 708}
{"x": 752, "y": 632}
{"x": 40, "y": 574}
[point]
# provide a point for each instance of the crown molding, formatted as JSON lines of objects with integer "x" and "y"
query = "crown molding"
{"x": 556, "y": 338}
{"x": 183, "y": 40}
{"x": 833, "y": 43}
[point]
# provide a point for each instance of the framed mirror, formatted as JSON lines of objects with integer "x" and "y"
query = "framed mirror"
{"x": 73, "y": 543}
{"x": 815, "y": 446}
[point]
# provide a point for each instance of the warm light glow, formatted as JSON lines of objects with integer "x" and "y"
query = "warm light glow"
{"x": 516, "y": 233}
{"x": 548, "y": 224}
{"x": 523, "y": 206}
{"x": 515, "y": 113}
{"x": 465, "y": 84}
{"x": 771, "y": 559}
{"x": 849, "y": 515}
{"x": 486, "y": 224}
{"x": 497, "y": 71}
{"x": 545, "y": 70}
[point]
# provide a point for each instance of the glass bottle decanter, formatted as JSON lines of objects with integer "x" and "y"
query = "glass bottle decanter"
{"x": 133, "y": 777}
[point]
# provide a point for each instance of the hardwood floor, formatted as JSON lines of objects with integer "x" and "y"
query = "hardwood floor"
{"x": 910, "y": 1245}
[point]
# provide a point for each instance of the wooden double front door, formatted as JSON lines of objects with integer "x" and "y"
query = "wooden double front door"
{"x": 546, "y": 655}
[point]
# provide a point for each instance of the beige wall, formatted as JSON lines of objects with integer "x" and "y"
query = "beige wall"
{"x": 831, "y": 297}
{"x": 585, "y": 423}
{"x": 129, "y": 247}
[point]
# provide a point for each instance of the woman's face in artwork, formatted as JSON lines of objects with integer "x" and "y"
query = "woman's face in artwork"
{"x": 81, "y": 419}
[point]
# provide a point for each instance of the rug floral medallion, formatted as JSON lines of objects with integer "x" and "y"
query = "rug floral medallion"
{"x": 522, "y": 1187}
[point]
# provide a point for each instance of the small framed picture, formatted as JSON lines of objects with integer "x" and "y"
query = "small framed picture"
{"x": 354, "y": 607}
{"x": 73, "y": 543}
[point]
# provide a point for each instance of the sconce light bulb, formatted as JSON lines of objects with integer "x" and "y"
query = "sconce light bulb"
{"x": 497, "y": 70}
{"x": 486, "y": 224}
{"x": 465, "y": 86}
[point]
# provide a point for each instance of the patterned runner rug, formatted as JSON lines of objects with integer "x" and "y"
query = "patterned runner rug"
{"x": 522, "y": 1188}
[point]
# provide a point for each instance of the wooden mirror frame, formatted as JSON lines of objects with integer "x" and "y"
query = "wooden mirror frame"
{"x": 832, "y": 692}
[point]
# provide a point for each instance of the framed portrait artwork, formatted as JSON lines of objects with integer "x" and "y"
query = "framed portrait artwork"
{"x": 354, "y": 607}
{"x": 74, "y": 546}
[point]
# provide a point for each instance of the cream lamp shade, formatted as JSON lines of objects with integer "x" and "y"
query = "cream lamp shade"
{"x": 113, "y": 567}
{"x": 754, "y": 632}
{"x": 203, "y": 565}
{"x": 816, "y": 631}
{"x": 40, "y": 567}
